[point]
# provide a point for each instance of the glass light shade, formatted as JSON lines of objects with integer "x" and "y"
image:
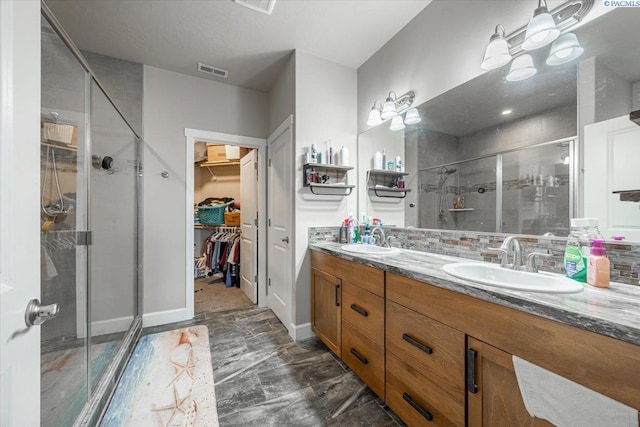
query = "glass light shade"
{"x": 541, "y": 30}
{"x": 565, "y": 159}
{"x": 374, "y": 117}
{"x": 412, "y": 117}
{"x": 565, "y": 49}
{"x": 397, "y": 123}
{"x": 521, "y": 69}
{"x": 389, "y": 110}
{"x": 496, "y": 54}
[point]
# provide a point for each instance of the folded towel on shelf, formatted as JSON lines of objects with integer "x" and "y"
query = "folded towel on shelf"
{"x": 568, "y": 404}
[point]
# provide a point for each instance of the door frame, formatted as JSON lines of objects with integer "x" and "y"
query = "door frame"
{"x": 191, "y": 136}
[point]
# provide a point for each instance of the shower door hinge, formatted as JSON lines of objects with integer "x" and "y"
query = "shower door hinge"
{"x": 255, "y": 221}
{"x": 269, "y": 162}
{"x": 269, "y": 222}
{"x": 269, "y": 281}
{"x": 84, "y": 238}
{"x": 255, "y": 278}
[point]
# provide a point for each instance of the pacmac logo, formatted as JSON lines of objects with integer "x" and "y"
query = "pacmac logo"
{"x": 622, "y": 3}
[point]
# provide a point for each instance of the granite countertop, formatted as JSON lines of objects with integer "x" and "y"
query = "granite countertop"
{"x": 613, "y": 311}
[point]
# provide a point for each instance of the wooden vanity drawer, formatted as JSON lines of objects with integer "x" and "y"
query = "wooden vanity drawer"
{"x": 364, "y": 356}
{"x": 363, "y": 276}
{"x": 364, "y": 310}
{"x": 416, "y": 400}
{"x": 434, "y": 349}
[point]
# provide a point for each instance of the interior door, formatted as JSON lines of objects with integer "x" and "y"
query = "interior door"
{"x": 248, "y": 224}
{"x": 19, "y": 211}
{"x": 611, "y": 164}
{"x": 280, "y": 214}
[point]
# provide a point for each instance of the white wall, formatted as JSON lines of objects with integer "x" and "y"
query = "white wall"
{"x": 282, "y": 96}
{"x": 221, "y": 181}
{"x": 173, "y": 102}
{"x": 325, "y": 107}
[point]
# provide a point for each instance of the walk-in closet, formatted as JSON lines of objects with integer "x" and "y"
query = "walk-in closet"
{"x": 225, "y": 230}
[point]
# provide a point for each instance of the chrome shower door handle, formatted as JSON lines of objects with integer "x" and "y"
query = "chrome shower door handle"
{"x": 36, "y": 314}
{"x": 286, "y": 239}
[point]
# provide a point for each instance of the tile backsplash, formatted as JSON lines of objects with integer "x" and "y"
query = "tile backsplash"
{"x": 624, "y": 257}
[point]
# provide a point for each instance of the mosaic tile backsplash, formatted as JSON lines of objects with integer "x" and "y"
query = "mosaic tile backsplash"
{"x": 624, "y": 257}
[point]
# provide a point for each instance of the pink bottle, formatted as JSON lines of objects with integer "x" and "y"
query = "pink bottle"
{"x": 598, "y": 268}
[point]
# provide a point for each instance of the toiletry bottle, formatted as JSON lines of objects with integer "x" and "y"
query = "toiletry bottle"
{"x": 390, "y": 165}
{"x": 314, "y": 153}
{"x": 598, "y": 266}
{"x": 398, "y": 164}
{"x": 384, "y": 160}
{"x": 378, "y": 161}
{"x": 350, "y": 233}
{"x": 344, "y": 156}
{"x": 575, "y": 263}
{"x": 330, "y": 155}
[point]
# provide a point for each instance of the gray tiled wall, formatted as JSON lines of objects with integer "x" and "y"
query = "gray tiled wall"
{"x": 624, "y": 257}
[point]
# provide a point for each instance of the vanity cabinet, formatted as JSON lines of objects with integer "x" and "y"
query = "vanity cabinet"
{"x": 348, "y": 315}
{"x": 493, "y": 394}
{"x": 325, "y": 309}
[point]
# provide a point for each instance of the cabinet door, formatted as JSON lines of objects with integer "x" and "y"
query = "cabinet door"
{"x": 325, "y": 309}
{"x": 493, "y": 395}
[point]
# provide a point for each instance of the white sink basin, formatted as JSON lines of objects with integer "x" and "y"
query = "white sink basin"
{"x": 494, "y": 275}
{"x": 358, "y": 248}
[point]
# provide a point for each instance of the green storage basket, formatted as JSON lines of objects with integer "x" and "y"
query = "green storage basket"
{"x": 212, "y": 215}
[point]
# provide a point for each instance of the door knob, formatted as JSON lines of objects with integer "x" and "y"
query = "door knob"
{"x": 37, "y": 314}
{"x": 286, "y": 239}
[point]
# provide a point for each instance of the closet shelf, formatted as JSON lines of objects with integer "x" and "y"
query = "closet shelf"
{"x": 59, "y": 146}
{"x": 218, "y": 164}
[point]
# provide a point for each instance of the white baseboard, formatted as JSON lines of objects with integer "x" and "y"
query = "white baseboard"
{"x": 109, "y": 326}
{"x": 164, "y": 317}
{"x": 301, "y": 332}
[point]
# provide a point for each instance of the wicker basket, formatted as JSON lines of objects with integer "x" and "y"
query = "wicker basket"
{"x": 212, "y": 215}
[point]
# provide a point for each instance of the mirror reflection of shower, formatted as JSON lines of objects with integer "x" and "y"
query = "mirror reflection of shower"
{"x": 444, "y": 173}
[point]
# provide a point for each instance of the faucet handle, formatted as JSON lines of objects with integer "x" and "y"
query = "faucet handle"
{"x": 504, "y": 256}
{"x": 531, "y": 260}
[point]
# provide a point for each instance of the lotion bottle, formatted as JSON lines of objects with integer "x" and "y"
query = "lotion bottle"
{"x": 598, "y": 266}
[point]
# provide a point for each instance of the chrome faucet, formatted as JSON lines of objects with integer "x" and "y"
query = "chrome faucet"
{"x": 505, "y": 249}
{"x": 380, "y": 239}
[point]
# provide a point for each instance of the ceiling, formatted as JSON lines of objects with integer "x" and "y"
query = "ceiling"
{"x": 177, "y": 34}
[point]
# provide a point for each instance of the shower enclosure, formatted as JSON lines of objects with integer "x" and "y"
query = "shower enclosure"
{"x": 90, "y": 234}
{"x": 523, "y": 191}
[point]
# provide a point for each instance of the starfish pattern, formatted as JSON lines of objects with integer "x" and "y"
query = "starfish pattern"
{"x": 181, "y": 369}
{"x": 174, "y": 407}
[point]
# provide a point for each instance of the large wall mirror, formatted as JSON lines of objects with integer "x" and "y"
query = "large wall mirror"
{"x": 524, "y": 157}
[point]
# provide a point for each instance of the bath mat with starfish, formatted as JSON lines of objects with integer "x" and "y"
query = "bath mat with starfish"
{"x": 168, "y": 382}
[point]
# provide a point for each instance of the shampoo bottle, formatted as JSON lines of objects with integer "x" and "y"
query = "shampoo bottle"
{"x": 598, "y": 272}
{"x": 377, "y": 161}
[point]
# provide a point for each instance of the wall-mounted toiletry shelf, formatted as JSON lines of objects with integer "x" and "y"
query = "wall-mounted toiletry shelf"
{"x": 628, "y": 195}
{"x": 332, "y": 177}
{"x": 462, "y": 210}
{"x": 379, "y": 180}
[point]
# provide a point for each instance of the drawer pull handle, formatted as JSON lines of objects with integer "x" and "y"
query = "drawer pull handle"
{"x": 417, "y": 344}
{"x": 359, "y": 357}
{"x": 472, "y": 387}
{"x": 426, "y": 414}
{"x": 362, "y": 312}
{"x": 337, "y": 295}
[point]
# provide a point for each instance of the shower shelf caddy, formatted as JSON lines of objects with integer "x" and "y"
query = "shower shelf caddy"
{"x": 337, "y": 176}
{"x": 381, "y": 177}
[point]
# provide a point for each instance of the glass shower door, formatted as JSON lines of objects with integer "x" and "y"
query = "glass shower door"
{"x": 63, "y": 255}
{"x": 113, "y": 220}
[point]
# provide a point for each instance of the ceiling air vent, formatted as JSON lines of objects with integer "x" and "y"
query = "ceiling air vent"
{"x": 263, "y": 6}
{"x": 208, "y": 69}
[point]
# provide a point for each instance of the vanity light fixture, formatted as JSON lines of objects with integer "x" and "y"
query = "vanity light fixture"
{"x": 521, "y": 69}
{"x": 397, "y": 123}
{"x": 565, "y": 49}
{"x": 541, "y": 30}
{"x": 392, "y": 108}
{"x": 497, "y": 53}
{"x": 544, "y": 28}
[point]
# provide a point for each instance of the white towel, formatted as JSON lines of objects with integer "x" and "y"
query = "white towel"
{"x": 568, "y": 404}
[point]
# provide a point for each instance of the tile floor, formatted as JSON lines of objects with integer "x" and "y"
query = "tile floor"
{"x": 263, "y": 378}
